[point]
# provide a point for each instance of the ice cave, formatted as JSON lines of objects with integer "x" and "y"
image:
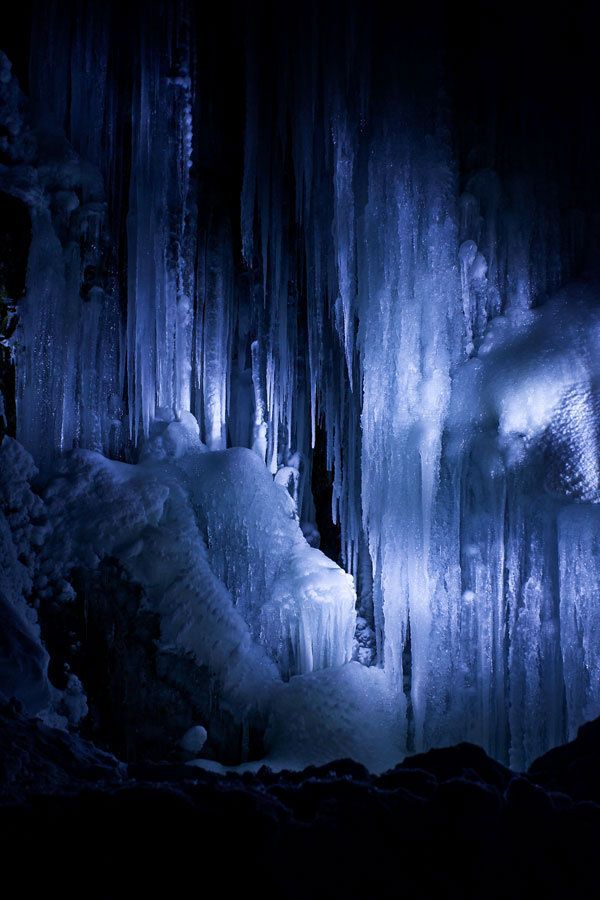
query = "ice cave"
{"x": 300, "y": 411}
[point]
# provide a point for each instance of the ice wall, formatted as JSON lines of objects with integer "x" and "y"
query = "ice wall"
{"x": 443, "y": 397}
{"x": 518, "y": 497}
{"x": 67, "y": 342}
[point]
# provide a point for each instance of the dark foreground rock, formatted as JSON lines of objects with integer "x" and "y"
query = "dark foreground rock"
{"x": 35, "y": 758}
{"x": 574, "y": 767}
{"x": 452, "y": 822}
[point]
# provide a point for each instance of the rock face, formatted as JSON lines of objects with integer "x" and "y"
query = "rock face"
{"x": 450, "y": 822}
{"x": 38, "y": 759}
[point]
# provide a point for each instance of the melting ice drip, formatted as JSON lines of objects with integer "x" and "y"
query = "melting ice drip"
{"x": 403, "y": 340}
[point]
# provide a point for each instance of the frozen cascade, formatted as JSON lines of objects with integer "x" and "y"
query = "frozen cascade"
{"x": 66, "y": 345}
{"x": 411, "y": 285}
{"x": 376, "y": 290}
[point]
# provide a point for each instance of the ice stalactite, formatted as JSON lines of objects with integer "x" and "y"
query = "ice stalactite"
{"x": 116, "y": 337}
{"x": 160, "y": 271}
{"x": 379, "y": 256}
{"x": 215, "y": 287}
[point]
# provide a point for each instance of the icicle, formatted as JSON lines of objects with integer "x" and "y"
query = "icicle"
{"x": 215, "y": 287}
{"x": 259, "y": 434}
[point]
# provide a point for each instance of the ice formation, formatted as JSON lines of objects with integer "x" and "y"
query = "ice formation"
{"x": 23, "y": 660}
{"x": 298, "y": 604}
{"x": 379, "y": 298}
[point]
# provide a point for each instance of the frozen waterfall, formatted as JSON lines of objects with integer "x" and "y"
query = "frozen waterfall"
{"x": 428, "y": 321}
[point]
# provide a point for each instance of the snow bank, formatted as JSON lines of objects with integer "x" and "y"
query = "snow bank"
{"x": 216, "y": 547}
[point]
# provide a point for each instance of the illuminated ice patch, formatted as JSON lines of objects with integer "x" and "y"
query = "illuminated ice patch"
{"x": 527, "y": 406}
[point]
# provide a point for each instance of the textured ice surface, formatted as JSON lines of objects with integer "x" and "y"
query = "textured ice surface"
{"x": 348, "y": 712}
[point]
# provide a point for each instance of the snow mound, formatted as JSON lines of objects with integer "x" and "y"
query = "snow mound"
{"x": 298, "y": 603}
{"x": 216, "y": 547}
{"x": 140, "y": 516}
{"x": 347, "y": 712}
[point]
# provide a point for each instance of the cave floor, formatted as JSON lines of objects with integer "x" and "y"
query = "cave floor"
{"x": 450, "y": 822}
